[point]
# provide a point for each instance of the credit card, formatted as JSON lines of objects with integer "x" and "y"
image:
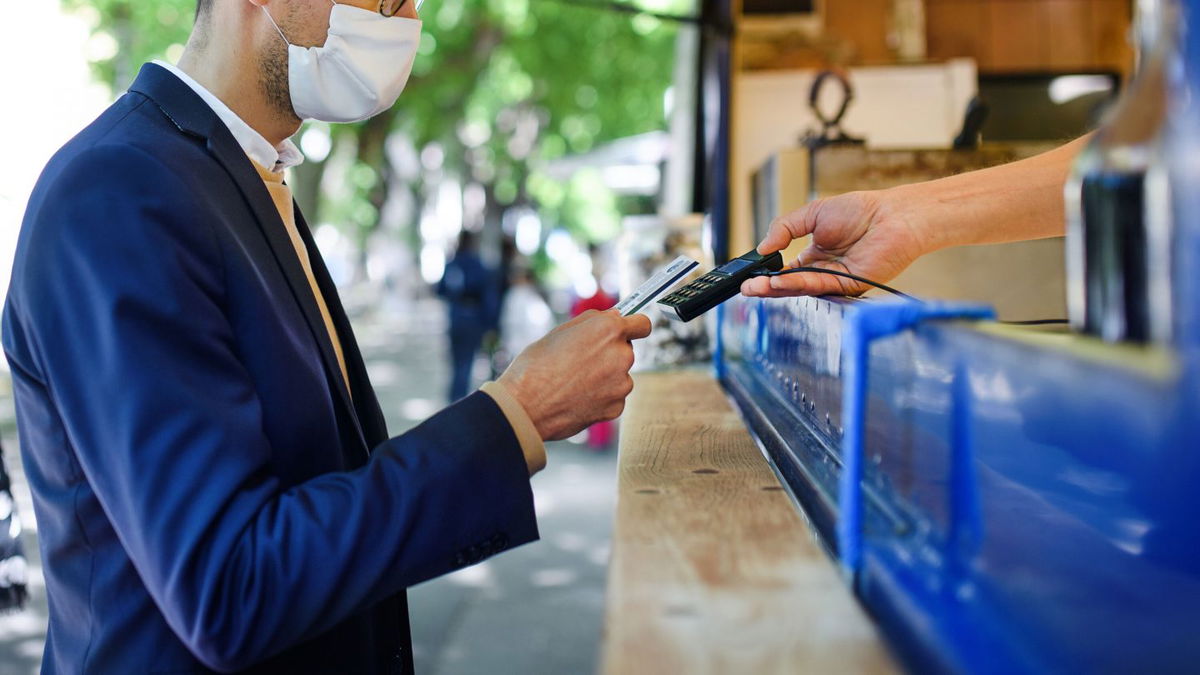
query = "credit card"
{"x": 656, "y": 285}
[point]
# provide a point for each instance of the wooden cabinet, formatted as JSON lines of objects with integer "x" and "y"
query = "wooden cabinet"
{"x": 1032, "y": 35}
{"x": 864, "y": 24}
{"x": 1003, "y": 36}
{"x": 959, "y": 27}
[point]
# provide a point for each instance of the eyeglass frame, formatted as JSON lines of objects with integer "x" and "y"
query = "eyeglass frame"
{"x": 399, "y": 6}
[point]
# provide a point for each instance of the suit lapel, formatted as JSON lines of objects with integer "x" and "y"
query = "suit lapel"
{"x": 252, "y": 188}
{"x": 194, "y": 117}
{"x": 367, "y": 405}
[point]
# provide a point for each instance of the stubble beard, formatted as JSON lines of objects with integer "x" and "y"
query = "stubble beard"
{"x": 273, "y": 79}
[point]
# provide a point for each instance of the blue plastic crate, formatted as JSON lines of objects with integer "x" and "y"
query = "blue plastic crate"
{"x": 1027, "y": 502}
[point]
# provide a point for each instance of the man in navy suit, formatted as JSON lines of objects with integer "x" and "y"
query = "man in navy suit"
{"x": 213, "y": 482}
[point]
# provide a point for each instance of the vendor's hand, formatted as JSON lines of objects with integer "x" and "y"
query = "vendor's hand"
{"x": 578, "y": 374}
{"x": 860, "y": 232}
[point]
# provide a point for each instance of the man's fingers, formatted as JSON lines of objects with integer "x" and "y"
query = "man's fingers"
{"x": 757, "y": 287}
{"x": 800, "y": 283}
{"x": 636, "y": 326}
{"x": 784, "y": 229}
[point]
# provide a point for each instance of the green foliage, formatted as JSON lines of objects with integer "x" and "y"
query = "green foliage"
{"x": 588, "y": 75}
{"x": 501, "y": 85}
{"x": 127, "y": 33}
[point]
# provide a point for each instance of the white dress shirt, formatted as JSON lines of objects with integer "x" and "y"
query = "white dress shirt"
{"x": 276, "y": 158}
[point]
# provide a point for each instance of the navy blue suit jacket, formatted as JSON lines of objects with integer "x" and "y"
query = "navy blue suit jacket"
{"x": 208, "y": 494}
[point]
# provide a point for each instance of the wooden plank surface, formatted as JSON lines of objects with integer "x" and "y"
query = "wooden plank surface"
{"x": 1031, "y": 35}
{"x": 713, "y": 568}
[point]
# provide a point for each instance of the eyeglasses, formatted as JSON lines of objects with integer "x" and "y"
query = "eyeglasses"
{"x": 390, "y": 7}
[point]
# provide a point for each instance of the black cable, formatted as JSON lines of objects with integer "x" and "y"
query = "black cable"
{"x": 1037, "y": 322}
{"x": 889, "y": 289}
{"x": 838, "y": 273}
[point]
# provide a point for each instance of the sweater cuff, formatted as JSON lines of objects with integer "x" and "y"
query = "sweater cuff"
{"x": 527, "y": 435}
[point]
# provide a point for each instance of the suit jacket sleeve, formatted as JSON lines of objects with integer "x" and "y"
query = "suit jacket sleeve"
{"x": 141, "y": 360}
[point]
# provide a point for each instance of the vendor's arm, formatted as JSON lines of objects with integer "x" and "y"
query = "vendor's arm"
{"x": 878, "y": 234}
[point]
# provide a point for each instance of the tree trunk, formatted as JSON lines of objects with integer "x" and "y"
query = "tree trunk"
{"x": 306, "y": 180}
{"x": 372, "y": 140}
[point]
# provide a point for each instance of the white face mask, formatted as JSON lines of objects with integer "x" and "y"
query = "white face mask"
{"x": 360, "y": 71}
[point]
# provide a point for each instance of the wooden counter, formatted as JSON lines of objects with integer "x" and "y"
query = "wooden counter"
{"x": 713, "y": 568}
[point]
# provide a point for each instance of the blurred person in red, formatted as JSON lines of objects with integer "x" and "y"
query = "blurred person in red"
{"x": 599, "y": 435}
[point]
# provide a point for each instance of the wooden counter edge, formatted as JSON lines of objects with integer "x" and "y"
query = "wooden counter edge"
{"x": 713, "y": 570}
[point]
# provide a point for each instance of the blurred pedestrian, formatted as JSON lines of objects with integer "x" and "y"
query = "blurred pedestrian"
{"x": 470, "y": 294}
{"x": 599, "y": 435}
{"x": 493, "y": 339}
{"x": 525, "y": 316}
{"x": 13, "y": 568}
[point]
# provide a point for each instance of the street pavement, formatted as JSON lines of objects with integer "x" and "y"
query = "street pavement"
{"x": 536, "y": 609}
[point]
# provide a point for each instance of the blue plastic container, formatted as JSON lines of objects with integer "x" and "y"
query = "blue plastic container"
{"x": 1001, "y": 499}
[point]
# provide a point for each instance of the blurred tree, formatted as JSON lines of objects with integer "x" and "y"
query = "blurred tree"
{"x": 126, "y": 34}
{"x": 499, "y": 86}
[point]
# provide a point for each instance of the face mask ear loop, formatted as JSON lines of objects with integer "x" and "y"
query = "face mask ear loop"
{"x": 277, "y": 30}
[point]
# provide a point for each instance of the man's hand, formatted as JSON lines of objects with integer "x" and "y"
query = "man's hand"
{"x": 578, "y": 374}
{"x": 859, "y": 232}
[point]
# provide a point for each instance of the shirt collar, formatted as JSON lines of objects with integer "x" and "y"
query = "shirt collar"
{"x": 276, "y": 158}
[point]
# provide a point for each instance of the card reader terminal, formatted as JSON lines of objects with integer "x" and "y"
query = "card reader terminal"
{"x": 662, "y": 280}
{"x": 710, "y": 290}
